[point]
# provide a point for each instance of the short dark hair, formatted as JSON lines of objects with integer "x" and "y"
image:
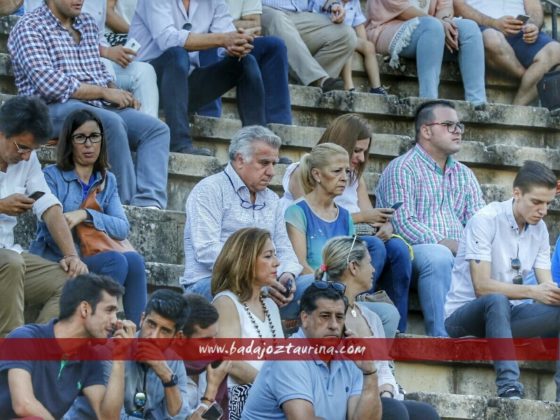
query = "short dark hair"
{"x": 534, "y": 174}
{"x": 202, "y": 313}
{"x": 170, "y": 305}
{"x": 88, "y": 288}
{"x": 308, "y": 302}
{"x": 26, "y": 114}
{"x": 425, "y": 113}
{"x": 65, "y": 149}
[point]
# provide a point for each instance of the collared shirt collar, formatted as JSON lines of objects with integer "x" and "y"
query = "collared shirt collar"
{"x": 430, "y": 162}
{"x": 511, "y": 217}
{"x": 71, "y": 175}
{"x": 241, "y": 188}
{"x": 76, "y": 23}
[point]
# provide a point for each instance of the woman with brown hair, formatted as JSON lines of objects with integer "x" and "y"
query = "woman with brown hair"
{"x": 390, "y": 256}
{"x": 246, "y": 264}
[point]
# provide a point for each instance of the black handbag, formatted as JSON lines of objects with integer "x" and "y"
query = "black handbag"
{"x": 549, "y": 89}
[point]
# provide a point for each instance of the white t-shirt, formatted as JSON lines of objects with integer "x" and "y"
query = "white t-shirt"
{"x": 493, "y": 235}
{"x": 240, "y": 8}
{"x": 498, "y": 8}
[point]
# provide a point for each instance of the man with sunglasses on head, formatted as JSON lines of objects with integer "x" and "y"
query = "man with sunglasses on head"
{"x": 439, "y": 196}
{"x": 236, "y": 198}
{"x": 504, "y": 243}
{"x": 321, "y": 388}
{"x": 26, "y": 278}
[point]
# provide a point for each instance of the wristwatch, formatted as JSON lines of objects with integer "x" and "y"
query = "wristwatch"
{"x": 172, "y": 382}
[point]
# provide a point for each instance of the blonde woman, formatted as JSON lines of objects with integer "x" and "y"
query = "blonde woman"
{"x": 346, "y": 260}
{"x": 246, "y": 264}
{"x": 315, "y": 218}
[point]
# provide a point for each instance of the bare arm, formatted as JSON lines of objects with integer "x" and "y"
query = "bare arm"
{"x": 117, "y": 97}
{"x": 535, "y": 11}
{"x": 114, "y": 21}
{"x": 229, "y": 326}
{"x": 295, "y": 184}
{"x": 367, "y": 213}
{"x": 58, "y": 228}
{"x": 299, "y": 243}
{"x": 546, "y": 292}
{"x": 23, "y": 398}
{"x": 367, "y": 406}
{"x": 411, "y": 13}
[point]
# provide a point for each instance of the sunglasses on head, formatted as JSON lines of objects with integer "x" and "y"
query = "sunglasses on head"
{"x": 322, "y": 285}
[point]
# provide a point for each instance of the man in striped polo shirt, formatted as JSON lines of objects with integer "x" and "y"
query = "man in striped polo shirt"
{"x": 439, "y": 196}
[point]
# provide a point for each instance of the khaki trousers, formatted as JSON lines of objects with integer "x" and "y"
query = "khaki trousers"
{"x": 27, "y": 279}
{"x": 317, "y": 47}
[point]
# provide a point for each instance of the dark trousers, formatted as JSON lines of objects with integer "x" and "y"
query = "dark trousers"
{"x": 271, "y": 55}
{"x": 181, "y": 93}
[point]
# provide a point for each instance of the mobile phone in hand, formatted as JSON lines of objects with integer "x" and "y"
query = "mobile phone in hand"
{"x": 215, "y": 412}
{"x": 397, "y": 205}
{"x": 36, "y": 195}
{"x": 522, "y": 18}
{"x": 132, "y": 44}
{"x": 216, "y": 363}
{"x": 288, "y": 287}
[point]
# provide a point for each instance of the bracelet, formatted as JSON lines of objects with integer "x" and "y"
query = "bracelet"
{"x": 369, "y": 373}
{"x": 207, "y": 399}
{"x": 388, "y": 392}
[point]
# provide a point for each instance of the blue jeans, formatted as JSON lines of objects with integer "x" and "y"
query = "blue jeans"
{"x": 126, "y": 130}
{"x": 431, "y": 275}
{"x": 388, "y": 313}
{"x": 396, "y": 276}
{"x": 128, "y": 270}
{"x": 427, "y": 46}
{"x": 272, "y": 58}
{"x": 203, "y": 85}
{"x": 493, "y": 316}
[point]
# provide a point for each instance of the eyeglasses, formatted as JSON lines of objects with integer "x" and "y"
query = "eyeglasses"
{"x": 82, "y": 138}
{"x": 323, "y": 285}
{"x": 516, "y": 265}
{"x": 139, "y": 402}
{"x": 452, "y": 126}
{"x": 244, "y": 203}
{"x": 187, "y": 26}
{"x": 21, "y": 149}
{"x": 351, "y": 248}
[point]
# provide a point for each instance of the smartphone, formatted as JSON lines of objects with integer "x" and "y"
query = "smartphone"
{"x": 215, "y": 412}
{"x": 36, "y": 195}
{"x": 522, "y": 18}
{"x": 121, "y": 315}
{"x": 397, "y": 205}
{"x": 288, "y": 287}
{"x": 132, "y": 44}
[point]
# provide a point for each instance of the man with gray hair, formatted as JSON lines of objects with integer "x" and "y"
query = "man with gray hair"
{"x": 236, "y": 198}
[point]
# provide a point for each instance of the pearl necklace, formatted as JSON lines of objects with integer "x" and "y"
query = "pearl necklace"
{"x": 266, "y": 315}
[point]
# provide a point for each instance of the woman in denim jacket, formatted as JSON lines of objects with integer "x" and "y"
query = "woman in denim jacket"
{"x": 82, "y": 165}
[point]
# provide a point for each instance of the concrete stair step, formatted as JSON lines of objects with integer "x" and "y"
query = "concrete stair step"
{"x": 463, "y": 407}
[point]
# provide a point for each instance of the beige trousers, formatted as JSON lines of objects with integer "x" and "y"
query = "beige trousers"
{"x": 317, "y": 47}
{"x": 27, "y": 279}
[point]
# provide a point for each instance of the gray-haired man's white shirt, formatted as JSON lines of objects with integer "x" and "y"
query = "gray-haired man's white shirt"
{"x": 214, "y": 213}
{"x": 493, "y": 235}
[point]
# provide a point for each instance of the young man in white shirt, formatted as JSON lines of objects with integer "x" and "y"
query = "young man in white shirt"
{"x": 26, "y": 278}
{"x": 503, "y": 244}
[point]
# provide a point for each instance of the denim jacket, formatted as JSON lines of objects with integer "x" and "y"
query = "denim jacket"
{"x": 65, "y": 185}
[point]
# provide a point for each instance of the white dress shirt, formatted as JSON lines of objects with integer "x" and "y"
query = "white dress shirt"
{"x": 214, "y": 213}
{"x": 24, "y": 177}
{"x": 158, "y": 25}
{"x": 498, "y": 8}
{"x": 493, "y": 235}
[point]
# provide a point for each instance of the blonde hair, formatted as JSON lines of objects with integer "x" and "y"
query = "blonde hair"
{"x": 337, "y": 253}
{"x": 321, "y": 156}
{"x": 345, "y": 130}
{"x": 235, "y": 267}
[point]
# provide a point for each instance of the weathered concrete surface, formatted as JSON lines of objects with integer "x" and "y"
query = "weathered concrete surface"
{"x": 451, "y": 406}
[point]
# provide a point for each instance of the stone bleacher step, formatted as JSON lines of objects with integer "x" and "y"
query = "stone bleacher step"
{"x": 467, "y": 407}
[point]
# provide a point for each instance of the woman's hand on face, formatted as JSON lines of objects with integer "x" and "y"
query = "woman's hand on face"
{"x": 75, "y": 217}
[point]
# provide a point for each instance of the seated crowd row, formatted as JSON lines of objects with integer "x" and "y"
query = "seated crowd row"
{"x": 472, "y": 265}
{"x": 183, "y": 55}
